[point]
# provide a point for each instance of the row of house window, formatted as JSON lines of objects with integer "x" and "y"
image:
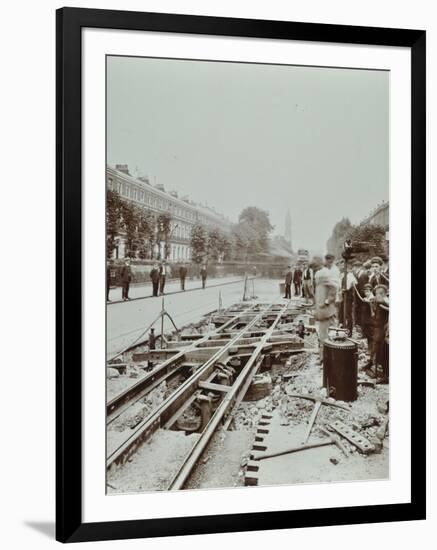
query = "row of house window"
{"x": 151, "y": 200}
{"x": 180, "y": 253}
{"x": 139, "y": 195}
{"x": 181, "y": 231}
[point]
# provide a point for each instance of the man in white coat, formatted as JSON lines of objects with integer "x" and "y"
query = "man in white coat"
{"x": 327, "y": 282}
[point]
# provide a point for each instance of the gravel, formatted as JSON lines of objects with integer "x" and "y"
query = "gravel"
{"x": 153, "y": 465}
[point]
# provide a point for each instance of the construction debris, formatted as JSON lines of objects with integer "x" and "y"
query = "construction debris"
{"x": 287, "y": 387}
{"x": 260, "y": 388}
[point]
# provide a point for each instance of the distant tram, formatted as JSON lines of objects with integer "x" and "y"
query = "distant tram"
{"x": 303, "y": 255}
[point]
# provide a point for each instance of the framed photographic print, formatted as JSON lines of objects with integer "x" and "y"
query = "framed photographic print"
{"x": 240, "y": 225}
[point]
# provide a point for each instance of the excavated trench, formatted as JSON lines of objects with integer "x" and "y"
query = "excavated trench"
{"x": 273, "y": 393}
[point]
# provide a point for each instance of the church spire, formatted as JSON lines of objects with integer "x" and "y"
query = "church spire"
{"x": 287, "y": 231}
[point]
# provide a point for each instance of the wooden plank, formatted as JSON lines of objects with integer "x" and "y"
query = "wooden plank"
{"x": 214, "y": 387}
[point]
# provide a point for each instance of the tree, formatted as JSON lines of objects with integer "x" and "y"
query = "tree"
{"x": 339, "y": 234}
{"x": 226, "y": 246}
{"x": 251, "y": 234}
{"x": 142, "y": 228}
{"x": 213, "y": 244}
{"x": 256, "y": 224}
{"x": 218, "y": 244}
{"x": 113, "y": 220}
{"x": 130, "y": 216}
{"x": 372, "y": 234}
{"x": 199, "y": 243}
{"x": 146, "y": 233}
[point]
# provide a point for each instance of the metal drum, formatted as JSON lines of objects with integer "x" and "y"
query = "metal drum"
{"x": 340, "y": 369}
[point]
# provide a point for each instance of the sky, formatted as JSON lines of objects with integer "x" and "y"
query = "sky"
{"x": 231, "y": 135}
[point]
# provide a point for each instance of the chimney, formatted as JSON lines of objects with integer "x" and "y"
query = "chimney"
{"x": 122, "y": 168}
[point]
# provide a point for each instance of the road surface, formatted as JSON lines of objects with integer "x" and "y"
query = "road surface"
{"x": 127, "y": 320}
{"x": 145, "y": 290}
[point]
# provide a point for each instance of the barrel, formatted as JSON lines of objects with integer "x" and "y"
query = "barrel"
{"x": 340, "y": 369}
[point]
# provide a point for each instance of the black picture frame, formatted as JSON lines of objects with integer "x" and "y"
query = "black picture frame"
{"x": 69, "y": 23}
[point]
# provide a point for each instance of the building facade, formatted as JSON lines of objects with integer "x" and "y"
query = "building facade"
{"x": 184, "y": 213}
{"x": 379, "y": 216}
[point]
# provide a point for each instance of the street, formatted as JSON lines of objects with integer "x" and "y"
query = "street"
{"x": 171, "y": 286}
{"x": 127, "y": 320}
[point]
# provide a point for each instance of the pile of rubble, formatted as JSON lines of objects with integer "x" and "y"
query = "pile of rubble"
{"x": 194, "y": 329}
{"x": 295, "y": 390}
{"x": 141, "y": 409}
{"x": 249, "y": 414}
{"x": 271, "y": 389}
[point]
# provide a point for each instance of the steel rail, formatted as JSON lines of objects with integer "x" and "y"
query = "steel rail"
{"x": 134, "y": 393}
{"x": 170, "y": 405}
{"x": 230, "y": 397}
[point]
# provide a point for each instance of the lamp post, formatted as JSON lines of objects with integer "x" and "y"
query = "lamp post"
{"x": 161, "y": 234}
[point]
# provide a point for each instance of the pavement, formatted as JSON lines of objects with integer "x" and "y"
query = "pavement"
{"x": 126, "y": 321}
{"x": 141, "y": 291}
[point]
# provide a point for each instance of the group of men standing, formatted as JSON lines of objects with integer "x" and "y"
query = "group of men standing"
{"x": 370, "y": 312}
{"x": 358, "y": 297}
{"x": 159, "y": 272}
{"x": 301, "y": 279}
{"x": 158, "y": 275}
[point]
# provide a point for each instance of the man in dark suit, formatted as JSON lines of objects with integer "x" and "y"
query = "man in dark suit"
{"x": 348, "y": 296}
{"x": 297, "y": 280}
{"x": 366, "y": 322}
{"x": 182, "y": 275}
{"x": 363, "y": 277}
{"x": 154, "y": 275}
{"x": 108, "y": 281}
{"x": 385, "y": 272}
{"x": 362, "y": 280}
{"x": 162, "y": 276}
{"x": 307, "y": 283}
{"x": 357, "y": 270}
{"x": 203, "y": 275}
{"x": 288, "y": 281}
{"x": 376, "y": 277}
{"x": 126, "y": 277}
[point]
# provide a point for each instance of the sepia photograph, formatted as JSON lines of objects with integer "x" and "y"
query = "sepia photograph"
{"x": 247, "y": 274}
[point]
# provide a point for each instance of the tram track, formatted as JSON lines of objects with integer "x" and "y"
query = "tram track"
{"x": 246, "y": 334}
{"x": 226, "y": 405}
{"x": 165, "y": 370}
{"x": 166, "y": 411}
